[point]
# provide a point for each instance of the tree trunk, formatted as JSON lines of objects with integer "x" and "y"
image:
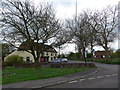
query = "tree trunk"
{"x": 92, "y": 50}
{"x": 79, "y": 50}
{"x": 37, "y": 63}
{"x": 106, "y": 50}
{"x": 83, "y": 53}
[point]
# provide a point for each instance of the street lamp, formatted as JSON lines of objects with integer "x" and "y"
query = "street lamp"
{"x": 84, "y": 51}
{"x": 92, "y": 52}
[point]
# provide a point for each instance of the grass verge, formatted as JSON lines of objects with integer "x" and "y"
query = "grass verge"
{"x": 11, "y": 75}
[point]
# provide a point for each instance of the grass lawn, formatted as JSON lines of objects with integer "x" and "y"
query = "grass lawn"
{"x": 24, "y": 74}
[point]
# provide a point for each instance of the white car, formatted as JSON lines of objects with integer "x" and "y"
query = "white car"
{"x": 64, "y": 59}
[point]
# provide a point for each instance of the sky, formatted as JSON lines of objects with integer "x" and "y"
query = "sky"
{"x": 66, "y": 9}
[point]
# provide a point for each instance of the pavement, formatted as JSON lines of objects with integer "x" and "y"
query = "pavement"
{"x": 36, "y": 84}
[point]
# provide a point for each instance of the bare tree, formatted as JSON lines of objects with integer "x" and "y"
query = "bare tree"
{"x": 107, "y": 22}
{"x": 80, "y": 31}
{"x": 22, "y": 21}
{"x": 93, "y": 27}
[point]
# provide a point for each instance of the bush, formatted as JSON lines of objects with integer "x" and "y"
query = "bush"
{"x": 89, "y": 55}
{"x": 114, "y": 55}
{"x": 14, "y": 59}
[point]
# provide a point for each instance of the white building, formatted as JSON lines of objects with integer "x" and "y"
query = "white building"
{"x": 49, "y": 53}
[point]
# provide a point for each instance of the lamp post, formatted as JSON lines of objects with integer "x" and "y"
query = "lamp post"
{"x": 84, "y": 51}
{"x": 92, "y": 52}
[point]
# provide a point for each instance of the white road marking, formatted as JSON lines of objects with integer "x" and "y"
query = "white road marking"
{"x": 82, "y": 79}
{"x": 114, "y": 74}
{"x": 96, "y": 71}
{"x": 107, "y": 75}
{"x": 91, "y": 78}
{"x": 100, "y": 76}
{"x": 72, "y": 81}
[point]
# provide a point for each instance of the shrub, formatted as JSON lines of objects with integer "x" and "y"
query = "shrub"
{"x": 14, "y": 59}
{"x": 89, "y": 55}
{"x": 114, "y": 55}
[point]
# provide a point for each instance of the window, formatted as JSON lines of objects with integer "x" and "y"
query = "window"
{"x": 27, "y": 59}
{"x": 103, "y": 56}
{"x": 47, "y": 53}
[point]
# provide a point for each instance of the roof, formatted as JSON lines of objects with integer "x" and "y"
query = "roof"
{"x": 36, "y": 46}
{"x": 102, "y": 52}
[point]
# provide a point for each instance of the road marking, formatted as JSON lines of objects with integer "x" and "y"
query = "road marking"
{"x": 91, "y": 78}
{"x": 107, "y": 75}
{"x": 61, "y": 82}
{"x": 114, "y": 74}
{"x": 96, "y": 71}
{"x": 72, "y": 81}
{"x": 99, "y": 76}
{"x": 82, "y": 79}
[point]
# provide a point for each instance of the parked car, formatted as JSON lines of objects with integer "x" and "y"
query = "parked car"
{"x": 59, "y": 60}
{"x": 55, "y": 61}
{"x": 64, "y": 59}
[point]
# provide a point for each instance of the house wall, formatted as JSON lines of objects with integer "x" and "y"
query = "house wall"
{"x": 25, "y": 54}
{"x": 101, "y": 54}
{"x": 51, "y": 55}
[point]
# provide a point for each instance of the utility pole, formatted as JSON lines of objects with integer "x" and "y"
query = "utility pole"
{"x": 84, "y": 51}
{"x": 76, "y": 9}
{"x": 76, "y": 20}
{"x": 119, "y": 24}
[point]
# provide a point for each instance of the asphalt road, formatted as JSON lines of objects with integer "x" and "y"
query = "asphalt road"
{"x": 105, "y": 77}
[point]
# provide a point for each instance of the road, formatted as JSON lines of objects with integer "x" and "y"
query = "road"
{"x": 106, "y": 76}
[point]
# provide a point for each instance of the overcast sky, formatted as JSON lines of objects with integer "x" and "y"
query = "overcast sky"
{"x": 67, "y": 8}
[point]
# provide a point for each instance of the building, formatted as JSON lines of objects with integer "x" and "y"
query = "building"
{"x": 101, "y": 54}
{"x": 48, "y": 52}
